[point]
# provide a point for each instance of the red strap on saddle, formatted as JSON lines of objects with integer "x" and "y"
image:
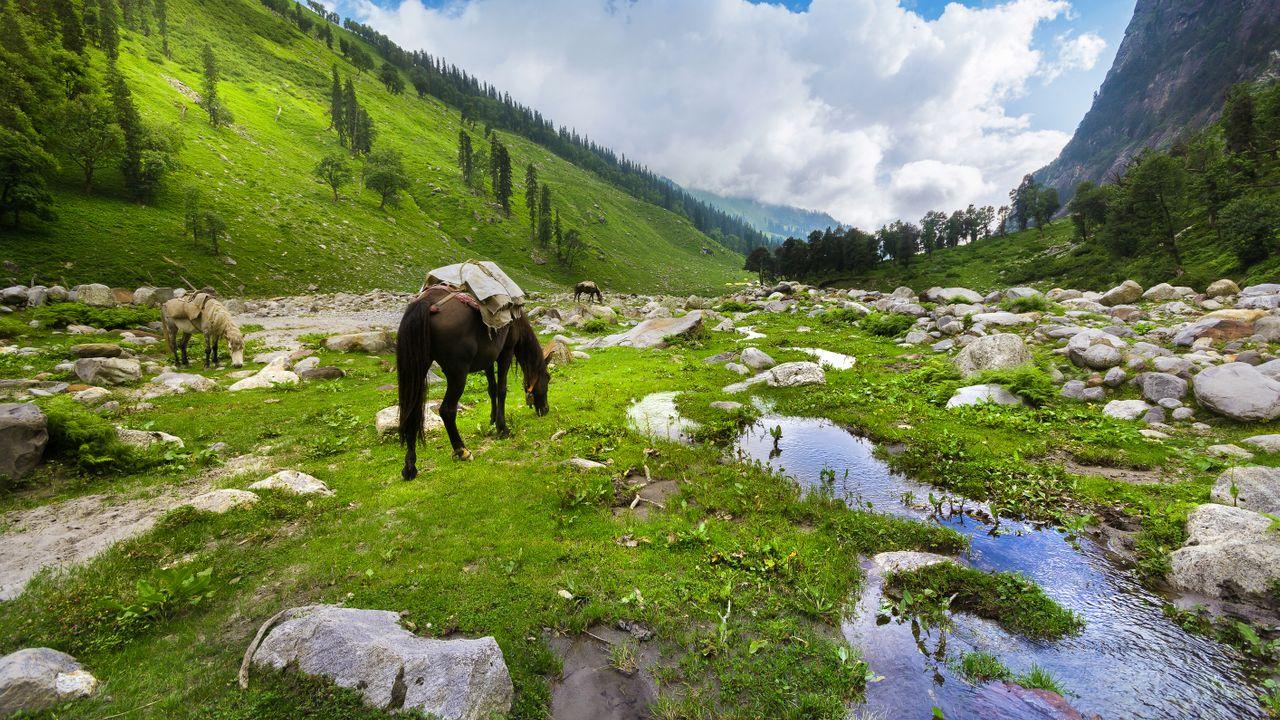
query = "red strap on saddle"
{"x": 454, "y": 294}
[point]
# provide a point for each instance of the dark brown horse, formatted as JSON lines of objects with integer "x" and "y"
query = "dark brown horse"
{"x": 590, "y": 289}
{"x": 440, "y": 326}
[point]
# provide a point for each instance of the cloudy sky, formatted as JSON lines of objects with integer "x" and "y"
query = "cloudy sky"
{"x": 868, "y": 109}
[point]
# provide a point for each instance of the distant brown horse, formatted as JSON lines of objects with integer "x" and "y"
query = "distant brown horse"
{"x": 590, "y": 289}
{"x": 441, "y": 325}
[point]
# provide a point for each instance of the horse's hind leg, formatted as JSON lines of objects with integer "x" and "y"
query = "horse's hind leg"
{"x": 449, "y": 412}
{"x": 186, "y": 338}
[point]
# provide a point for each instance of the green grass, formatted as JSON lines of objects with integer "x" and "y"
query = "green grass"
{"x": 485, "y": 547}
{"x": 983, "y": 666}
{"x": 1011, "y": 600}
{"x": 286, "y": 233}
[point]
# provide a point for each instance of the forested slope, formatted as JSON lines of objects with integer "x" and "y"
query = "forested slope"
{"x": 284, "y": 231}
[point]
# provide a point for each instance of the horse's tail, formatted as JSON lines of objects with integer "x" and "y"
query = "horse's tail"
{"x": 413, "y": 361}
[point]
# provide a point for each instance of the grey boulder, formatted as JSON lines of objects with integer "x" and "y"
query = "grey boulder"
{"x": 378, "y": 341}
{"x": 36, "y": 679}
{"x": 792, "y": 374}
{"x": 108, "y": 371}
{"x": 23, "y": 436}
{"x": 1264, "y": 443}
{"x": 1238, "y": 391}
{"x": 757, "y": 359}
{"x": 95, "y": 294}
{"x": 1257, "y": 488}
{"x": 653, "y": 333}
{"x": 1122, "y": 294}
{"x": 1157, "y": 386}
{"x": 393, "y": 669}
{"x": 1230, "y": 553}
{"x": 992, "y": 352}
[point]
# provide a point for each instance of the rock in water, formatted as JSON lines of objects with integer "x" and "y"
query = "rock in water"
{"x": 23, "y": 436}
{"x": 393, "y": 669}
{"x": 1257, "y": 488}
{"x": 36, "y": 679}
{"x": 1238, "y": 391}
{"x": 1230, "y": 553}
{"x": 993, "y": 352}
{"x": 653, "y": 333}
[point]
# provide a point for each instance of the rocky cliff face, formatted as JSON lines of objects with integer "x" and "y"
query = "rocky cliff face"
{"x": 1170, "y": 76}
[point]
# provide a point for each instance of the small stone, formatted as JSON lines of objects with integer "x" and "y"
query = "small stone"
{"x": 1126, "y": 409}
{"x": 221, "y": 501}
{"x": 292, "y": 481}
{"x": 1264, "y": 443}
{"x": 147, "y": 438}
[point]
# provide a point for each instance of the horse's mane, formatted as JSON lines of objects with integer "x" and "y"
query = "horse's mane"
{"x": 220, "y": 321}
{"x": 528, "y": 350}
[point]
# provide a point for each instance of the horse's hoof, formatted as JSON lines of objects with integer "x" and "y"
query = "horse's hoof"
{"x": 408, "y": 474}
{"x": 462, "y": 454}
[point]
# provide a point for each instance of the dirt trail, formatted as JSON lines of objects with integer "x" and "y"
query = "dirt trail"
{"x": 63, "y": 534}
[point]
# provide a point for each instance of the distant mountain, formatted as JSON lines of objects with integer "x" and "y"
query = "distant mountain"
{"x": 1171, "y": 73}
{"x": 777, "y": 221}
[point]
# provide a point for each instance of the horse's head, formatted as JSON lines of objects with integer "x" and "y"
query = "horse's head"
{"x": 535, "y": 392}
{"x": 236, "y": 342}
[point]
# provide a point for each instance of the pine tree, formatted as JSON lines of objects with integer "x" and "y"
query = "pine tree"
{"x": 72, "y": 28}
{"x": 131, "y": 129}
{"x": 556, "y": 234}
{"x": 335, "y": 108}
{"x": 218, "y": 113}
{"x": 350, "y": 112}
{"x": 162, "y": 22}
{"x": 108, "y": 28}
{"x": 531, "y": 199}
{"x": 504, "y": 180}
{"x": 544, "y": 216}
{"x": 465, "y": 157}
{"x": 1237, "y": 120}
{"x": 362, "y": 142}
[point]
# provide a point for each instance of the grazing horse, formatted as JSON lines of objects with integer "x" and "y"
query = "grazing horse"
{"x": 442, "y": 325}
{"x": 201, "y": 314}
{"x": 590, "y": 289}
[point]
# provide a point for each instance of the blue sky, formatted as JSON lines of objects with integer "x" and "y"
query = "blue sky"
{"x": 866, "y": 109}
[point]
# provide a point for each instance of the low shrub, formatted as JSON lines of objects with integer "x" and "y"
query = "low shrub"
{"x": 842, "y": 316}
{"x": 1029, "y": 382}
{"x": 596, "y": 326}
{"x": 886, "y": 324}
{"x": 1032, "y": 303}
{"x": 11, "y": 328}
{"x": 63, "y": 314}
{"x": 732, "y": 306}
{"x": 85, "y": 440}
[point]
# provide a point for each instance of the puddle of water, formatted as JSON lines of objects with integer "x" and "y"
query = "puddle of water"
{"x": 1129, "y": 662}
{"x": 828, "y": 359}
{"x": 656, "y": 416}
{"x": 749, "y": 332}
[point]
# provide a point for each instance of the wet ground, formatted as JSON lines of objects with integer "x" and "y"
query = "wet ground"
{"x": 1129, "y": 662}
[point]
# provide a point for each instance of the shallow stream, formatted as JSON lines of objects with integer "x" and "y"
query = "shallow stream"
{"x": 1129, "y": 662}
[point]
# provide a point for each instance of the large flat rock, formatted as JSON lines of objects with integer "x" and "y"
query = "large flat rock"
{"x": 652, "y": 333}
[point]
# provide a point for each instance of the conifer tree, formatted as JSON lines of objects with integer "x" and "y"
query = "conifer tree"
{"x": 466, "y": 157}
{"x": 362, "y": 139}
{"x": 1237, "y": 120}
{"x": 131, "y": 130}
{"x": 218, "y": 113}
{"x": 531, "y": 199}
{"x": 162, "y": 23}
{"x": 72, "y": 28}
{"x": 503, "y": 181}
{"x": 544, "y": 216}
{"x": 108, "y": 28}
{"x": 350, "y": 111}
{"x": 336, "y": 117}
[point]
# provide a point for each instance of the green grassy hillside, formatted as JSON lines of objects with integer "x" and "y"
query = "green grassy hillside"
{"x": 1056, "y": 258}
{"x": 286, "y": 233}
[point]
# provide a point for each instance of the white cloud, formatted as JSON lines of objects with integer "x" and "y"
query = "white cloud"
{"x": 857, "y": 107}
{"x": 1075, "y": 53}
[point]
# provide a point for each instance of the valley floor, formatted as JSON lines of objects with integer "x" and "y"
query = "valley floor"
{"x": 718, "y": 584}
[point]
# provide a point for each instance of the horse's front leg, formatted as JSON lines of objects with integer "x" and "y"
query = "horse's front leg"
{"x": 449, "y": 412}
{"x": 205, "y": 337}
{"x": 186, "y": 338}
{"x": 215, "y": 350}
{"x": 504, "y": 367}
{"x": 493, "y": 395}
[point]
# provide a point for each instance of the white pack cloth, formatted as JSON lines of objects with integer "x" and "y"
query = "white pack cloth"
{"x": 501, "y": 300}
